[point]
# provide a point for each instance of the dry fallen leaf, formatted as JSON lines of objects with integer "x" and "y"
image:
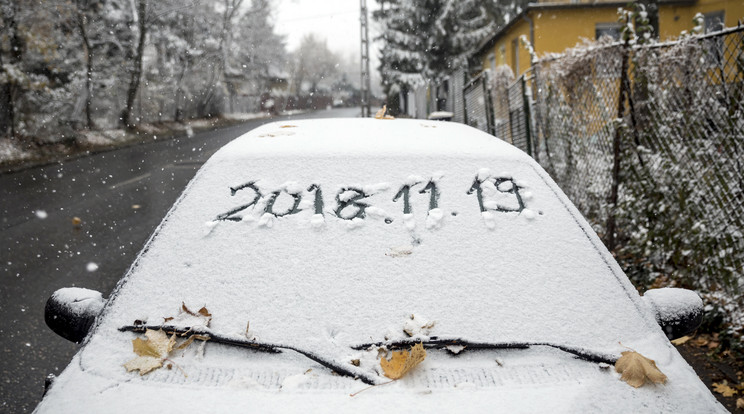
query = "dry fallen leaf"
{"x": 636, "y": 369}
{"x": 187, "y": 317}
{"x": 151, "y": 352}
{"x": 724, "y": 389}
{"x": 682, "y": 340}
{"x": 381, "y": 113}
{"x": 740, "y": 403}
{"x": 76, "y": 221}
{"x": 403, "y": 361}
{"x": 203, "y": 311}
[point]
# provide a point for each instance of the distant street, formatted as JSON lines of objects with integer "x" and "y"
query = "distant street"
{"x": 120, "y": 197}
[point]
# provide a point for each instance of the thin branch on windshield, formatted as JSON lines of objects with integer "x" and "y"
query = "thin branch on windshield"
{"x": 257, "y": 346}
{"x": 435, "y": 342}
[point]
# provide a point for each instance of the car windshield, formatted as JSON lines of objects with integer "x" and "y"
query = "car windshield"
{"x": 329, "y": 252}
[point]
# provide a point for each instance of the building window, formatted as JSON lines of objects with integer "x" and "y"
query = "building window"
{"x": 714, "y": 21}
{"x": 492, "y": 62}
{"x": 607, "y": 29}
{"x": 502, "y": 55}
{"x": 515, "y": 56}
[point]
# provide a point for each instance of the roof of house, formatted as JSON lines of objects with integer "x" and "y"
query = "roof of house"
{"x": 490, "y": 41}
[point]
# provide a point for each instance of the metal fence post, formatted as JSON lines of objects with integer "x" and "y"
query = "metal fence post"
{"x": 527, "y": 119}
{"x": 616, "y": 150}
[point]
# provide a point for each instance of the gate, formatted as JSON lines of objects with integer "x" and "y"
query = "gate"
{"x": 520, "y": 122}
{"x": 478, "y": 107}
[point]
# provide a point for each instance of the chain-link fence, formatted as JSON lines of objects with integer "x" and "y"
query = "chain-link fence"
{"x": 649, "y": 141}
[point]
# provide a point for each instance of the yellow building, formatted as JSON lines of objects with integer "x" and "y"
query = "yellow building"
{"x": 554, "y": 26}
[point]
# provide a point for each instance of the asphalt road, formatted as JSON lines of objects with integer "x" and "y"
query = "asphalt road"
{"x": 120, "y": 197}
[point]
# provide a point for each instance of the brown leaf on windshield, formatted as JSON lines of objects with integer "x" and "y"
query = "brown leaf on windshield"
{"x": 636, "y": 369}
{"x": 202, "y": 313}
{"x": 151, "y": 352}
{"x": 402, "y": 362}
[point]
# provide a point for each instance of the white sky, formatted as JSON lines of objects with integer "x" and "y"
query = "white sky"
{"x": 337, "y": 21}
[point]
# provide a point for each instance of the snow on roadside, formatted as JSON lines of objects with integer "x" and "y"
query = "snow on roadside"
{"x": 246, "y": 116}
{"x": 9, "y": 151}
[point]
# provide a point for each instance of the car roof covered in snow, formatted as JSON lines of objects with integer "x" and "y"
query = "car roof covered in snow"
{"x": 327, "y": 236}
{"x": 365, "y": 137}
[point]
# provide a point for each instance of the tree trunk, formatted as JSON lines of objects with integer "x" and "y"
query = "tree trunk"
{"x": 178, "y": 116}
{"x": 137, "y": 70}
{"x": 82, "y": 26}
{"x": 9, "y": 90}
{"x": 7, "y": 116}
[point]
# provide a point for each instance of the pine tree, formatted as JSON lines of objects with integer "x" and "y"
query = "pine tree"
{"x": 424, "y": 40}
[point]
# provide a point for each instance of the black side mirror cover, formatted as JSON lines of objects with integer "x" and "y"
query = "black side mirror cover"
{"x": 70, "y": 312}
{"x": 678, "y": 311}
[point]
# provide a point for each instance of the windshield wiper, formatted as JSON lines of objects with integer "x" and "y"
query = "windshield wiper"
{"x": 435, "y": 342}
{"x": 339, "y": 368}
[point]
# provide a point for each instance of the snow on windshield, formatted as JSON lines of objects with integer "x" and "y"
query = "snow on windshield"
{"x": 330, "y": 251}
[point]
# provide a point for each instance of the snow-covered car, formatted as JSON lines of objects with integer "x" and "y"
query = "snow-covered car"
{"x": 307, "y": 260}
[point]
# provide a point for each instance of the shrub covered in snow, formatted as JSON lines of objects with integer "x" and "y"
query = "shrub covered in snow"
{"x": 678, "y": 118}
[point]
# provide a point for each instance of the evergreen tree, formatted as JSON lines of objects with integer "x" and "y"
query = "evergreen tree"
{"x": 424, "y": 40}
{"x": 261, "y": 52}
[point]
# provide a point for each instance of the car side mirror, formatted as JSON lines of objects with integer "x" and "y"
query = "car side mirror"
{"x": 678, "y": 311}
{"x": 70, "y": 312}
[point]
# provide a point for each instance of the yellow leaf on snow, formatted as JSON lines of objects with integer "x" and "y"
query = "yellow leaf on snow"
{"x": 724, "y": 389}
{"x": 636, "y": 369}
{"x": 151, "y": 352}
{"x": 402, "y": 361}
{"x": 381, "y": 113}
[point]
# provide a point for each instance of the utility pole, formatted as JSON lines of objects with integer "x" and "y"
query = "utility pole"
{"x": 365, "y": 88}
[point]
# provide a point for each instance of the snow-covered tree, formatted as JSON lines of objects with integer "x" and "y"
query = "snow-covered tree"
{"x": 424, "y": 40}
{"x": 261, "y": 49}
{"x": 67, "y": 65}
{"x": 314, "y": 63}
{"x": 38, "y": 67}
{"x": 141, "y": 20}
{"x": 11, "y": 55}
